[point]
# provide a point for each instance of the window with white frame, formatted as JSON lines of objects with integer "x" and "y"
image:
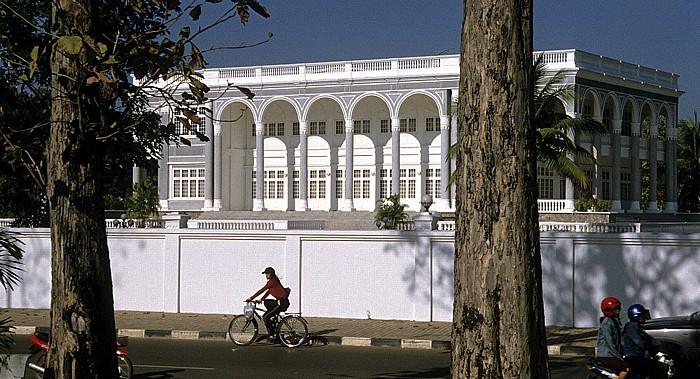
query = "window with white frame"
{"x": 254, "y": 189}
{"x": 384, "y": 126}
{"x": 384, "y": 182}
{"x": 361, "y": 126}
{"x": 188, "y": 183}
{"x": 545, "y": 183}
{"x": 407, "y": 125}
{"x": 339, "y": 127}
{"x": 339, "y": 184}
{"x": 295, "y": 185}
{"x": 317, "y": 128}
{"x": 181, "y": 127}
{"x": 317, "y": 184}
{"x": 295, "y": 128}
{"x": 625, "y": 186}
{"x": 274, "y": 129}
{"x": 432, "y": 124}
{"x": 407, "y": 183}
{"x": 432, "y": 183}
{"x": 274, "y": 184}
{"x": 360, "y": 184}
{"x": 605, "y": 184}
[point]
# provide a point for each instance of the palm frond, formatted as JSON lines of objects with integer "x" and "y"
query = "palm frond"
{"x": 10, "y": 259}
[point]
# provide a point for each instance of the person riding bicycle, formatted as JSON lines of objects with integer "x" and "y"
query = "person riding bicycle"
{"x": 280, "y": 303}
{"x": 638, "y": 342}
{"x": 609, "y": 346}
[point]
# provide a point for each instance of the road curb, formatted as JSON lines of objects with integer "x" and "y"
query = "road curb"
{"x": 406, "y": 343}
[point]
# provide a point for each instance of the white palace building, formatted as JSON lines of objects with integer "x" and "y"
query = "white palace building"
{"x": 341, "y": 136}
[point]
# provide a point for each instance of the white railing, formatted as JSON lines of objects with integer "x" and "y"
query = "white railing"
{"x": 6, "y": 222}
{"x": 256, "y": 224}
{"x": 552, "y": 206}
{"x": 134, "y": 223}
{"x": 445, "y": 225}
{"x": 590, "y": 227}
{"x": 445, "y": 65}
{"x": 577, "y": 227}
{"x": 406, "y": 225}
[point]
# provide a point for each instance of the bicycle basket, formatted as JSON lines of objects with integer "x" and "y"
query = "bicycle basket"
{"x": 249, "y": 310}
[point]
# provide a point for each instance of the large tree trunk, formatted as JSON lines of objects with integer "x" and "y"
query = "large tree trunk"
{"x": 498, "y": 327}
{"x": 83, "y": 342}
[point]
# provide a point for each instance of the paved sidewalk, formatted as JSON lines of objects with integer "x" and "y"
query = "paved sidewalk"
{"x": 357, "y": 332}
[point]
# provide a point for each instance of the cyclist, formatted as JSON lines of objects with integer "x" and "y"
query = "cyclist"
{"x": 609, "y": 351}
{"x": 280, "y": 303}
{"x": 638, "y": 342}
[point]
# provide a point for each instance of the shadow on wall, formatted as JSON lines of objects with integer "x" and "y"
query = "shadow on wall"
{"x": 430, "y": 281}
{"x": 662, "y": 278}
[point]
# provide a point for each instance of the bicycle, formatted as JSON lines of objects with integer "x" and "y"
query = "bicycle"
{"x": 292, "y": 330}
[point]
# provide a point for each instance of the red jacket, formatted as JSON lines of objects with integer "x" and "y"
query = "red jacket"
{"x": 273, "y": 288}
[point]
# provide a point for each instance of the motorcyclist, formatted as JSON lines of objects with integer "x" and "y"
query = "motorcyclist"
{"x": 609, "y": 346}
{"x": 638, "y": 342}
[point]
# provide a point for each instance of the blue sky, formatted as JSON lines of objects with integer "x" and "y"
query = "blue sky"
{"x": 662, "y": 34}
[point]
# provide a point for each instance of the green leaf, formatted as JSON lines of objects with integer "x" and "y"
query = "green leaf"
{"x": 185, "y": 32}
{"x": 196, "y": 12}
{"x": 70, "y": 44}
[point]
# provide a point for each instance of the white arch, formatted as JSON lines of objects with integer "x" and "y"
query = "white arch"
{"x": 315, "y": 99}
{"x": 597, "y": 105}
{"x": 286, "y": 99}
{"x": 407, "y": 95}
{"x": 248, "y": 103}
{"x": 635, "y": 107}
{"x": 378, "y": 95}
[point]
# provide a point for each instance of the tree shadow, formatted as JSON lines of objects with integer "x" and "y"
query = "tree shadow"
{"x": 161, "y": 374}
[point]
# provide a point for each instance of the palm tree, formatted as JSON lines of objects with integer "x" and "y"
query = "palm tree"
{"x": 10, "y": 255}
{"x": 689, "y": 164}
{"x": 556, "y": 149}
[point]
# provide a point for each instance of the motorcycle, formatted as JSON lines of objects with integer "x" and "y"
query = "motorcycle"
{"x": 665, "y": 368}
{"x": 40, "y": 347}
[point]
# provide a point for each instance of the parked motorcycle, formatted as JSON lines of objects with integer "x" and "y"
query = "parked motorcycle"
{"x": 665, "y": 368}
{"x": 40, "y": 347}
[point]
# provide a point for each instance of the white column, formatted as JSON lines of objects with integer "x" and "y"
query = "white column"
{"x": 164, "y": 169}
{"x": 616, "y": 156}
{"x": 218, "y": 182}
{"x": 259, "y": 201}
{"x": 653, "y": 168}
{"x": 395, "y": 155}
{"x": 597, "y": 190}
{"x": 302, "y": 203}
{"x": 569, "y": 201}
{"x": 636, "y": 171}
{"x": 671, "y": 205}
{"x": 348, "y": 204}
{"x": 208, "y": 159}
{"x": 444, "y": 203}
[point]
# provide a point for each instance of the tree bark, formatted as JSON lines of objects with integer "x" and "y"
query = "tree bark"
{"x": 498, "y": 319}
{"x": 83, "y": 342}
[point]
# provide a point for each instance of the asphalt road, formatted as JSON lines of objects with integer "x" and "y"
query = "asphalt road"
{"x": 161, "y": 358}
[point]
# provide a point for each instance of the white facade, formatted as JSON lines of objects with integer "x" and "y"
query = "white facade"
{"x": 388, "y": 274}
{"x": 288, "y": 148}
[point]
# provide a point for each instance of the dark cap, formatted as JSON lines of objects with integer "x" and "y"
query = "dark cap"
{"x": 269, "y": 270}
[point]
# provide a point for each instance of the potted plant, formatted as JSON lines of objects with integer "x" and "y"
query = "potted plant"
{"x": 391, "y": 213}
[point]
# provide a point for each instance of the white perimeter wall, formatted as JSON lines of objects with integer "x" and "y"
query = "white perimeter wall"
{"x": 383, "y": 274}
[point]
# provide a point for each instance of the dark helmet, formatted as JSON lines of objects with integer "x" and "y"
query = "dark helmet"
{"x": 638, "y": 313}
{"x": 608, "y": 306}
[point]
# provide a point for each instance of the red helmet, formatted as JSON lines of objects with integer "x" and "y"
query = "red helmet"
{"x": 609, "y": 305}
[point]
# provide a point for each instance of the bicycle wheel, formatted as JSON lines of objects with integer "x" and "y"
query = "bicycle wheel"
{"x": 292, "y": 331}
{"x": 126, "y": 369}
{"x": 243, "y": 331}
